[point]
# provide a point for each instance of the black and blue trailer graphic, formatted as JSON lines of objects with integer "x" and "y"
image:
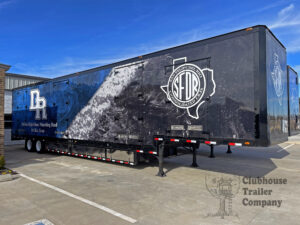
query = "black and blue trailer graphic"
{"x": 230, "y": 90}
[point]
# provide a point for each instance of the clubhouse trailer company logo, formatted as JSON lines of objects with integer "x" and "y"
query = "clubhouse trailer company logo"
{"x": 187, "y": 85}
{"x": 38, "y": 104}
{"x": 255, "y": 192}
{"x": 224, "y": 188}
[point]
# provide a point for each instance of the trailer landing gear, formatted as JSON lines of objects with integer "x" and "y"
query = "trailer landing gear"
{"x": 229, "y": 150}
{"x": 160, "y": 149}
{"x": 212, "y": 155}
{"x": 194, "y": 164}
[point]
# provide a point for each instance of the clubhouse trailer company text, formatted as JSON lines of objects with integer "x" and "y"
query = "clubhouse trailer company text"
{"x": 261, "y": 191}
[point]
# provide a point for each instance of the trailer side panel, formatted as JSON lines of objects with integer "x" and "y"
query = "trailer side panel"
{"x": 277, "y": 94}
{"x": 293, "y": 89}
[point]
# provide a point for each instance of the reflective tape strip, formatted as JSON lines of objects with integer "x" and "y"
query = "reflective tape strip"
{"x": 158, "y": 139}
{"x": 99, "y": 158}
{"x": 152, "y": 152}
{"x": 210, "y": 142}
{"x": 235, "y": 144}
{"x": 174, "y": 140}
{"x": 191, "y": 141}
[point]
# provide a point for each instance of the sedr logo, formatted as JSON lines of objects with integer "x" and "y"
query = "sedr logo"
{"x": 187, "y": 87}
{"x": 38, "y": 104}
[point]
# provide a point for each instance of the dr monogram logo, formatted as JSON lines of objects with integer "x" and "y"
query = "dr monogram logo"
{"x": 187, "y": 86}
{"x": 38, "y": 104}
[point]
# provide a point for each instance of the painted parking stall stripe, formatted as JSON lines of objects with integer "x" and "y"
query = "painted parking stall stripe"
{"x": 94, "y": 204}
{"x": 286, "y": 147}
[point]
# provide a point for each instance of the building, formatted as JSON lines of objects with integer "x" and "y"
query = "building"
{"x": 13, "y": 81}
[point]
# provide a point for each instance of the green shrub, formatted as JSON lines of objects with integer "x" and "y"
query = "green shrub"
{"x": 2, "y": 162}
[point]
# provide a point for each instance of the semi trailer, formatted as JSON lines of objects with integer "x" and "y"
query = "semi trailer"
{"x": 226, "y": 90}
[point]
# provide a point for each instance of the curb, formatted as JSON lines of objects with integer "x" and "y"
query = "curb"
{"x": 6, "y": 177}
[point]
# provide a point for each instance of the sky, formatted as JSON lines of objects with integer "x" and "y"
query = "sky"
{"x": 53, "y": 38}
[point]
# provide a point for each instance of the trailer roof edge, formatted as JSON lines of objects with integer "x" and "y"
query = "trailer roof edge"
{"x": 292, "y": 69}
{"x": 27, "y": 76}
{"x": 149, "y": 54}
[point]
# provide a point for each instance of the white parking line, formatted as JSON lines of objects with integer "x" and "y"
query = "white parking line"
{"x": 43, "y": 221}
{"x": 286, "y": 147}
{"x": 129, "y": 219}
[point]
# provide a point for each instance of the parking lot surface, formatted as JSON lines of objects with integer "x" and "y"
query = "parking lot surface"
{"x": 70, "y": 191}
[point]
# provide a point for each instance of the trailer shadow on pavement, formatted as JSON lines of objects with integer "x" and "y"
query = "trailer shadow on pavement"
{"x": 243, "y": 161}
{"x": 17, "y": 155}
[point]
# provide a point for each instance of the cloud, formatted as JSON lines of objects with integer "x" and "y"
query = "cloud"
{"x": 297, "y": 68}
{"x": 3, "y": 4}
{"x": 293, "y": 46}
{"x": 286, "y": 17}
{"x": 67, "y": 66}
{"x": 286, "y": 10}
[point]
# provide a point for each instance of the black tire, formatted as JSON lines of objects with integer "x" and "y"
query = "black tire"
{"x": 40, "y": 146}
{"x": 30, "y": 145}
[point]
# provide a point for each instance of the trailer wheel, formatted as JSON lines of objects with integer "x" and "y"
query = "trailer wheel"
{"x": 29, "y": 145}
{"x": 39, "y": 146}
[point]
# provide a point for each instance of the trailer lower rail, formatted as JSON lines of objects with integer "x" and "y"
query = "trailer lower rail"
{"x": 90, "y": 157}
{"x": 163, "y": 146}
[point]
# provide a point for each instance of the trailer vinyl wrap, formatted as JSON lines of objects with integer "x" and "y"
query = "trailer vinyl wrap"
{"x": 227, "y": 88}
{"x": 293, "y": 89}
{"x": 277, "y": 93}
